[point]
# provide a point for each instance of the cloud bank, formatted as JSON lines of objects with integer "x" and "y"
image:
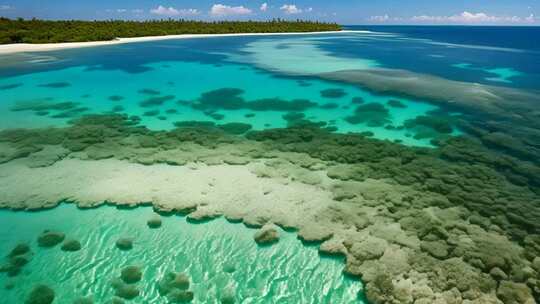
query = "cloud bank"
{"x": 292, "y": 9}
{"x": 220, "y": 10}
{"x": 473, "y": 18}
{"x": 171, "y": 11}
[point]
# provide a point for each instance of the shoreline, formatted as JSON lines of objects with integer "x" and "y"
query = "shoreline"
{"x": 7, "y": 49}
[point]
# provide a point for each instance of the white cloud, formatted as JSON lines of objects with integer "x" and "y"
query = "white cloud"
{"x": 5, "y": 7}
{"x": 171, "y": 11}
{"x": 137, "y": 11}
{"x": 121, "y": 10}
{"x": 290, "y": 9}
{"x": 382, "y": 18}
{"x": 473, "y": 18}
{"x": 264, "y": 7}
{"x": 220, "y": 10}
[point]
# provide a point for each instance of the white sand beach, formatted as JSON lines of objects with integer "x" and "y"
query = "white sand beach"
{"x": 29, "y": 47}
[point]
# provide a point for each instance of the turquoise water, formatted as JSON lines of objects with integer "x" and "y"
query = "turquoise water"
{"x": 186, "y": 81}
{"x": 498, "y": 74}
{"x": 102, "y": 80}
{"x": 220, "y": 258}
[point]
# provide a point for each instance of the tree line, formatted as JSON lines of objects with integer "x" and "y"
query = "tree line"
{"x": 48, "y": 31}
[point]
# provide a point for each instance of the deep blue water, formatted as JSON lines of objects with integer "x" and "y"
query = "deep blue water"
{"x": 434, "y": 49}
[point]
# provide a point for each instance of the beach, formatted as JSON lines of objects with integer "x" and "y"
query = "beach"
{"x": 27, "y": 47}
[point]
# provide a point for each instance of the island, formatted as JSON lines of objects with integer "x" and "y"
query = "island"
{"x": 48, "y": 31}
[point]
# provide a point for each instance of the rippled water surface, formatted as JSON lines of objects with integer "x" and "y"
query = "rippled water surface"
{"x": 220, "y": 258}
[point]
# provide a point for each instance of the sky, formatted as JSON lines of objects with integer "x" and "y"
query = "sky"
{"x": 453, "y": 12}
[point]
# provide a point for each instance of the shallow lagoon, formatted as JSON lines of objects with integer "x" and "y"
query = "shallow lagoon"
{"x": 220, "y": 258}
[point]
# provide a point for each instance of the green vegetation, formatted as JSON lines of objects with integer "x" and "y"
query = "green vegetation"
{"x": 44, "y": 31}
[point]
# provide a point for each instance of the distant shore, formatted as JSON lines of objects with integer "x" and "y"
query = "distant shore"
{"x": 43, "y": 47}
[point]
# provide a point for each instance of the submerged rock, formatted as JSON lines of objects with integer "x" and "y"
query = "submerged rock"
{"x": 50, "y": 238}
{"x": 267, "y": 235}
{"x": 116, "y": 300}
{"x": 181, "y": 296}
{"x": 20, "y": 249}
{"x": 173, "y": 281}
{"x": 127, "y": 292}
{"x": 16, "y": 260}
{"x": 154, "y": 223}
{"x": 86, "y": 300}
{"x": 71, "y": 245}
{"x": 124, "y": 244}
{"x": 227, "y": 297}
{"x": 131, "y": 274}
{"x": 40, "y": 294}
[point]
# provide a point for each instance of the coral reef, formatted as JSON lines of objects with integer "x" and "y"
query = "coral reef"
{"x": 456, "y": 223}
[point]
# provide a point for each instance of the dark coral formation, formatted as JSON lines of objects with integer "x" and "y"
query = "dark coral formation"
{"x": 46, "y": 106}
{"x": 10, "y": 86}
{"x": 231, "y": 99}
{"x": 235, "y": 128}
{"x": 148, "y": 92}
{"x": 333, "y": 93}
{"x": 358, "y": 100}
{"x": 154, "y": 223}
{"x": 50, "y": 238}
{"x": 462, "y": 218}
{"x": 55, "y": 85}
{"x": 151, "y": 113}
{"x": 394, "y": 103}
{"x": 116, "y": 98}
{"x": 124, "y": 290}
{"x": 175, "y": 287}
{"x": 18, "y": 257}
{"x": 71, "y": 245}
{"x": 131, "y": 274}
{"x": 40, "y": 294}
{"x": 372, "y": 114}
{"x": 155, "y": 101}
{"x": 440, "y": 124}
{"x": 124, "y": 244}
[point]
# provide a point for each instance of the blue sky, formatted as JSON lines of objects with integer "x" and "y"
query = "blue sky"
{"x": 481, "y": 12}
